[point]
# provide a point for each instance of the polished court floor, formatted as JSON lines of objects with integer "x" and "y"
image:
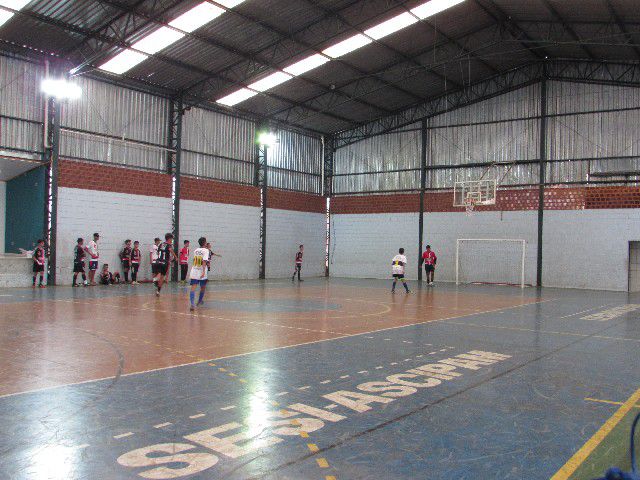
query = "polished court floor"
{"x": 330, "y": 379}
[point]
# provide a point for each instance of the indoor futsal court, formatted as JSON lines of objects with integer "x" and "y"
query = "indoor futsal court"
{"x": 319, "y": 239}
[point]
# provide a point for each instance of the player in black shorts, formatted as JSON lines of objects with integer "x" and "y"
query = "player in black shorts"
{"x": 136, "y": 257}
{"x": 78, "y": 263}
{"x": 165, "y": 255}
{"x": 125, "y": 258}
{"x": 38, "y": 264}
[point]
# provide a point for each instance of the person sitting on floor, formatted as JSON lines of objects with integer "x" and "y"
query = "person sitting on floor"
{"x": 108, "y": 278}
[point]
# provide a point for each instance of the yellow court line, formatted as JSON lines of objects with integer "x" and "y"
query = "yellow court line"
{"x": 610, "y": 402}
{"x": 581, "y": 455}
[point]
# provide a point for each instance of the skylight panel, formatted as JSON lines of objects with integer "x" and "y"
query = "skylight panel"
{"x": 391, "y": 26}
{"x": 347, "y": 46}
{"x": 12, "y": 4}
{"x": 237, "y": 97}
{"x": 306, "y": 64}
{"x": 123, "y": 62}
{"x": 271, "y": 81}
{"x": 158, "y": 40}
{"x": 161, "y": 38}
{"x": 433, "y": 7}
{"x": 197, "y": 17}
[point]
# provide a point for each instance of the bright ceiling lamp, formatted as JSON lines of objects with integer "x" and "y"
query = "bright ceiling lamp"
{"x": 346, "y": 46}
{"x": 269, "y": 82}
{"x": 12, "y": 4}
{"x": 237, "y": 97}
{"x": 391, "y": 26}
{"x": 306, "y": 64}
{"x": 160, "y": 39}
{"x": 61, "y": 89}
{"x": 429, "y": 9}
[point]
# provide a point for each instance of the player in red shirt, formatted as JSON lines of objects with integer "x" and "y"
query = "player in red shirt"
{"x": 184, "y": 262}
{"x": 38, "y": 264}
{"x": 298, "y": 264}
{"x": 429, "y": 258}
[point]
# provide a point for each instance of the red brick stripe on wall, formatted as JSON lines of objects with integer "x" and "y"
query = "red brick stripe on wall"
{"x": 297, "y": 201}
{"x": 204, "y": 190}
{"x": 94, "y": 176}
{"x": 555, "y": 198}
{"x": 399, "y": 203}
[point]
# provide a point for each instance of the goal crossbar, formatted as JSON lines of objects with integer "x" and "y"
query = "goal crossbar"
{"x": 519, "y": 241}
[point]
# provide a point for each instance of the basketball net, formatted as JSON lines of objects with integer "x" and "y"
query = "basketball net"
{"x": 469, "y": 204}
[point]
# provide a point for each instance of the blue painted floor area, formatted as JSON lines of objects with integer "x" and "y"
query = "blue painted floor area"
{"x": 520, "y": 417}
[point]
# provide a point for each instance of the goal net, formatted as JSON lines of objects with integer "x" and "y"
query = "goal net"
{"x": 490, "y": 260}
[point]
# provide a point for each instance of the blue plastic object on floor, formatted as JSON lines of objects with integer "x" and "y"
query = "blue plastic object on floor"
{"x": 615, "y": 473}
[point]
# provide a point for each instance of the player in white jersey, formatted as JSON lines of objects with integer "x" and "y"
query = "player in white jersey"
{"x": 199, "y": 272}
{"x": 397, "y": 269}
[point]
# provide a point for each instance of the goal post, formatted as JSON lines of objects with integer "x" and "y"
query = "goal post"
{"x": 491, "y": 260}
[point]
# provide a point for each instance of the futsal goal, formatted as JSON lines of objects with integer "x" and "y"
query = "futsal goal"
{"x": 498, "y": 261}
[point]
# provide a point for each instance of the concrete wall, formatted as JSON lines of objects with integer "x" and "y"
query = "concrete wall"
{"x": 362, "y": 246}
{"x": 233, "y": 230}
{"x": 286, "y": 231}
{"x": 589, "y": 248}
{"x": 116, "y": 217}
{"x": 293, "y": 219}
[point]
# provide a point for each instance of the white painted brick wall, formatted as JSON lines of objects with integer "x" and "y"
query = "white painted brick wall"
{"x": 286, "y": 230}
{"x": 234, "y": 230}
{"x": 116, "y": 217}
{"x": 362, "y": 246}
{"x": 588, "y": 248}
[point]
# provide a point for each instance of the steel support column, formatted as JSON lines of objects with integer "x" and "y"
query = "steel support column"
{"x": 542, "y": 175}
{"x": 261, "y": 181}
{"x": 52, "y": 158}
{"x": 327, "y": 190}
{"x": 423, "y": 185}
{"x": 176, "y": 112}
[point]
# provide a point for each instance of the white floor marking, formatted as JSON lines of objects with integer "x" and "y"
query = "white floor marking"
{"x": 419, "y": 356}
{"x": 281, "y": 393}
{"x": 331, "y": 406}
{"x": 324, "y": 382}
{"x": 162, "y": 425}
{"x": 378, "y": 368}
{"x": 230, "y": 407}
{"x": 199, "y": 415}
{"x": 304, "y": 388}
{"x": 393, "y": 363}
{"x": 345, "y": 376}
{"x": 123, "y": 435}
{"x": 363, "y": 371}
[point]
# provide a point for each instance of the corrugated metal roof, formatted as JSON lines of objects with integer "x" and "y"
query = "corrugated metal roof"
{"x": 461, "y": 45}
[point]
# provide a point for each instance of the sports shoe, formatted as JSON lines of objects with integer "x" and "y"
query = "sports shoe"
{"x": 42, "y": 286}
{"x": 393, "y": 291}
{"x": 157, "y": 293}
{"x": 200, "y": 303}
{"x": 192, "y": 308}
{"x": 75, "y": 285}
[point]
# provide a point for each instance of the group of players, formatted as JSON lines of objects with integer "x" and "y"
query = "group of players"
{"x": 399, "y": 262}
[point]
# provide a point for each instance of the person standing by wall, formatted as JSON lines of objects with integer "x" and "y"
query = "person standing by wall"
{"x": 429, "y": 258}
{"x": 94, "y": 256}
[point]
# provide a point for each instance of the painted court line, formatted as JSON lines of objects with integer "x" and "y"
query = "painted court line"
{"x": 162, "y": 425}
{"x": 324, "y": 382}
{"x": 609, "y": 402}
{"x": 312, "y": 342}
{"x": 281, "y": 393}
{"x": 587, "y": 449}
{"x": 304, "y": 388}
{"x": 123, "y": 435}
{"x": 199, "y": 415}
{"x": 230, "y": 407}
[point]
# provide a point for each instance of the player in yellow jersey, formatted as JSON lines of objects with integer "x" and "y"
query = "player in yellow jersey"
{"x": 199, "y": 272}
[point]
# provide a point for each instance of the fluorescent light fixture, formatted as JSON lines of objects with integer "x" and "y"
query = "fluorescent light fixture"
{"x": 237, "y": 97}
{"x": 391, "y": 26}
{"x": 160, "y": 39}
{"x": 12, "y": 4}
{"x": 306, "y": 64}
{"x": 346, "y": 46}
{"x": 61, "y": 89}
{"x": 197, "y": 17}
{"x": 429, "y": 9}
{"x": 123, "y": 62}
{"x": 269, "y": 82}
{"x": 267, "y": 139}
